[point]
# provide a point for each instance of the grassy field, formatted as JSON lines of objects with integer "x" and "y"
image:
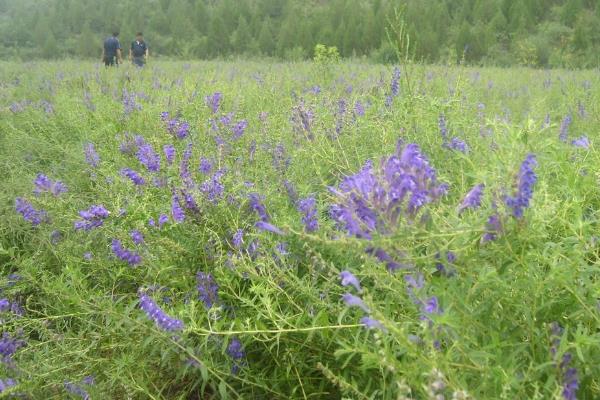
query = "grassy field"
{"x": 298, "y": 231}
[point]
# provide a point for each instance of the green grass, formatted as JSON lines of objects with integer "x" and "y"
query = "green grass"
{"x": 81, "y": 317}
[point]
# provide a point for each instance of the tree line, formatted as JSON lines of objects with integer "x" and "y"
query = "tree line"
{"x": 542, "y": 33}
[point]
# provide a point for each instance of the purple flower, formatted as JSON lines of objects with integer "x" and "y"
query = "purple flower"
{"x": 183, "y": 129}
{"x": 347, "y": 278}
{"x": 91, "y": 218}
{"x": 239, "y": 128}
{"x": 238, "y": 238}
{"x": 88, "y": 256}
{"x": 374, "y": 199}
{"x": 371, "y": 323}
{"x": 162, "y": 219}
{"x": 91, "y": 157}
{"x": 169, "y": 151}
{"x": 137, "y": 237}
{"x": 29, "y": 213}
{"x": 472, "y": 199}
{"x": 136, "y": 178}
{"x": 9, "y": 346}
{"x": 205, "y": 166}
{"x": 443, "y": 127}
{"x": 155, "y": 313}
{"x": 184, "y": 172}
{"x": 148, "y": 157}
{"x": 582, "y": 142}
{"x": 359, "y": 109}
{"x": 395, "y": 84}
{"x": 123, "y": 254}
{"x": 564, "y": 128}
{"x": 213, "y": 188}
{"x": 7, "y": 384}
{"x": 432, "y": 306}
{"x": 257, "y": 205}
{"x": 308, "y": 207}
{"x": 176, "y": 211}
{"x": 384, "y": 257}
{"x": 76, "y": 390}
{"x": 354, "y": 301}
{"x": 265, "y": 226}
{"x": 458, "y": 145}
{"x": 214, "y": 101}
{"x": 235, "y": 349}
{"x": 526, "y": 182}
{"x": 207, "y": 289}
{"x": 493, "y": 228}
{"x": 4, "y": 305}
{"x": 44, "y": 184}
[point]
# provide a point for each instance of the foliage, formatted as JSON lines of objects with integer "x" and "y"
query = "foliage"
{"x": 215, "y": 230}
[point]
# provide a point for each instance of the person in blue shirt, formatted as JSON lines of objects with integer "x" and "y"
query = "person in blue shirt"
{"x": 111, "y": 52}
{"x": 138, "y": 53}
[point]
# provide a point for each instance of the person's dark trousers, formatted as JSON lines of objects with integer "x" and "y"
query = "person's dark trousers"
{"x": 139, "y": 61}
{"x": 109, "y": 61}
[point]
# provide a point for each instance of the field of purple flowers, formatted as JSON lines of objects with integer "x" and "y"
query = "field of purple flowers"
{"x": 293, "y": 231}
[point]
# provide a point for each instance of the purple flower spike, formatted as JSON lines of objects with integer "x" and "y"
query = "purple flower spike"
{"x": 44, "y": 184}
{"x": 371, "y": 323}
{"x": 176, "y": 211}
{"x": 162, "y": 219}
{"x": 29, "y": 213}
{"x": 155, "y": 313}
{"x": 354, "y": 301}
{"x": 384, "y": 257}
{"x": 265, "y": 226}
{"x": 214, "y": 101}
{"x": 582, "y": 142}
{"x": 472, "y": 199}
{"x": 564, "y": 128}
{"x": 6, "y": 384}
{"x": 238, "y": 239}
{"x": 169, "y": 151}
{"x": 526, "y": 182}
{"x": 308, "y": 207}
{"x": 137, "y": 237}
{"x": 148, "y": 157}
{"x": 257, "y": 205}
{"x": 91, "y": 218}
{"x": 207, "y": 289}
{"x": 347, "y": 278}
{"x": 123, "y": 254}
{"x": 91, "y": 157}
{"x": 136, "y": 178}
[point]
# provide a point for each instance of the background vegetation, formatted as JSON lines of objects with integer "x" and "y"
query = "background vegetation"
{"x": 543, "y": 33}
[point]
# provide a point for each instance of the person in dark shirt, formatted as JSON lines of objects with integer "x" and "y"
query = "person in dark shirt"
{"x": 138, "y": 53}
{"x": 111, "y": 52}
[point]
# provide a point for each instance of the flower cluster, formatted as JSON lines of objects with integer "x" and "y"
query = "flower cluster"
{"x": 526, "y": 181}
{"x": 564, "y": 128}
{"x": 374, "y": 199}
{"x": 582, "y": 142}
{"x": 29, "y": 213}
{"x": 155, "y": 313}
{"x": 308, "y": 207}
{"x": 91, "y": 218}
{"x": 213, "y": 101}
{"x": 472, "y": 198}
{"x": 176, "y": 211}
{"x": 207, "y": 289}
{"x": 175, "y": 126}
{"x": 137, "y": 237}
{"x": 568, "y": 374}
{"x": 91, "y": 157}
{"x": 148, "y": 157}
{"x": 213, "y": 188}
{"x": 9, "y": 346}
{"x": 235, "y": 350}
{"x": 7, "y": 384}
{"x": 44, "y": 184}
{"x": 136, "y": 178}
{"x": 123, "y": 254}
{"x": 169, "y": 151}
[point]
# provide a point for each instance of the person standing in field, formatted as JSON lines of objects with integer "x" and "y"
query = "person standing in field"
{"x": 138, "y": 53}
{"x": 111, "y": 52}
